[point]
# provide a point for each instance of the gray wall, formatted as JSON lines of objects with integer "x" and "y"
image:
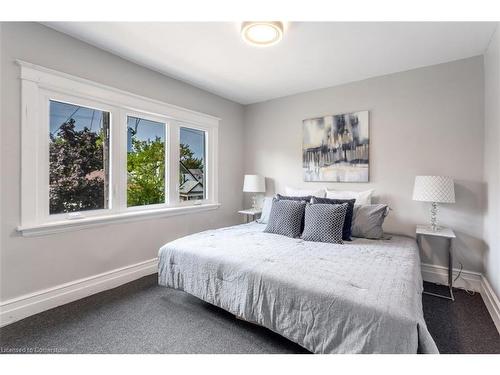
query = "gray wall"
{"x": 492, "y": 161}
{"x": 32, "y": 264}
{"x": 423, "y": 121}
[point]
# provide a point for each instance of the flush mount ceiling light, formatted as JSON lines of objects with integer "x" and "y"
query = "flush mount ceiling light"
{"x": 262, "y": 33}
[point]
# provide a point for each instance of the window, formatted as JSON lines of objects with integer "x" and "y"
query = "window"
{"x": 192, "y": 164}
{"x": 78, "y": 158}
{"x": 145, "y": 162}
{"x": 97, "y": 154}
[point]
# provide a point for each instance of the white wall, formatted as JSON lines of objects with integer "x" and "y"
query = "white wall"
{"x": 492, "y": 161}
{"x": 32, "y": 264}
{"x": 423, "y": 121}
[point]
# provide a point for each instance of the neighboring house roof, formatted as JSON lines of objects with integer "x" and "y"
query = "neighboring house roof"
{"x": 188, "y": 186}
{"x": 189, "y": 176}
{"x": 196, "y": 171}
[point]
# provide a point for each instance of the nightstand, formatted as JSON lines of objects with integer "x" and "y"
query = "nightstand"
{"x": 251, "y": 212}
{"x": 425, "y": 230}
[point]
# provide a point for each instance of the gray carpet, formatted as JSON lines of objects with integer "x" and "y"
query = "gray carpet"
{"x": 462, "y": 326}
{"x": 141, "y": 317}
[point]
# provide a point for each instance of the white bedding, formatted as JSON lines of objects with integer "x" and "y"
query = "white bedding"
{"x": 360, "y": 297}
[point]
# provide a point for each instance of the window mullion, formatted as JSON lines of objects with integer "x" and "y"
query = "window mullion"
{"x": 212, "y": 155}
{"x": 173, "y": 162}
{"x": 119, "y": 161}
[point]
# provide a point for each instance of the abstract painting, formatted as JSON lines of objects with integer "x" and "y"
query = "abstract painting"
{"x": 336, "y": 148}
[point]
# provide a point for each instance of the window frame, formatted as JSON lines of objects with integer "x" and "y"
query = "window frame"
{"x": 206, "y": 172}
{"x": 39, "y": 85}
{"x": 43, "y": 159}
{"x": 161, "y": 119}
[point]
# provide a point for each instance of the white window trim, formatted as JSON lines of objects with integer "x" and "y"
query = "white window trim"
{"x": 37, "y": 83}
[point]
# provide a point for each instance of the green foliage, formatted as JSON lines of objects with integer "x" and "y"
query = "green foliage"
{"x": 76, "y": 169}
{"x": 146, "y": 172}
{"x": 188, "y": 160}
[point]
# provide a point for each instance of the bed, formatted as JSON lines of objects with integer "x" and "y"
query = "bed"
{"x": 364, "y": 296}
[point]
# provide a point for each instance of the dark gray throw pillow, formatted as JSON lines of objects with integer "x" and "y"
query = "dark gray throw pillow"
{"x": 324, "y": 222}
{"x": 368, "y": 219}
{"x": 346, "y": 230}
{"x": 286, "y": 218}
{"x": 306, "y": 198}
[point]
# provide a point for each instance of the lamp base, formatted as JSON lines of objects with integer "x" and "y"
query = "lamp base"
{"x": 434, "y": 221}
{"x": 254, "y": 202}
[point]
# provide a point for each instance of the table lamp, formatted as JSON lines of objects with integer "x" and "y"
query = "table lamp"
{"x": 254, "y": 183}
{"x": 434, "y": 189}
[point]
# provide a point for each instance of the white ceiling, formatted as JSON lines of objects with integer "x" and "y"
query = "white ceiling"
{"x": 312, "y": 55}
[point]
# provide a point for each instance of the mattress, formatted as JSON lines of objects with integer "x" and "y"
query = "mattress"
{"x": 364, "y": 296}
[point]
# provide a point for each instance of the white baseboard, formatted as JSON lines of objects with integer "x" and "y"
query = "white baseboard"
{"x": 21, "y": 307}
{"x": 469, "y": 280}
{"x": 491, "y": 301}
{"x": 439, "y": 275}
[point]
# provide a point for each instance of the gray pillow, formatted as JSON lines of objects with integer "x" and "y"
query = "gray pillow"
{"x": 266, "y": 210}
{"x": 368, "y": 220}
{"x": 324, "y": 222}
{"x": 286, "y": 218}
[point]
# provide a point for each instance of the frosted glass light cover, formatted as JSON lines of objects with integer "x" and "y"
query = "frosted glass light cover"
{"x": 262, "y": 34}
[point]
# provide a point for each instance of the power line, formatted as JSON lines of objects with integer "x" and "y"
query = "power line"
{"x": 65, "y": 121}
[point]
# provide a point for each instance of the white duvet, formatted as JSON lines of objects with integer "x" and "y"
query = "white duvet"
{"x": 360, "y": 297}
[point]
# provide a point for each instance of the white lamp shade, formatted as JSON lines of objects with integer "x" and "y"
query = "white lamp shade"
{"x": 254, "y": 183}
{"x": 437, "y": 189}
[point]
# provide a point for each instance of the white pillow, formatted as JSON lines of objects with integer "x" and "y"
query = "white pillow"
{"x": 362, "y": 197}
{"x": 266, "y": 210}
{"x": 291, "y": 192}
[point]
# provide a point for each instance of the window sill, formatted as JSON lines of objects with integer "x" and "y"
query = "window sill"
{"x": 89, "y": 222}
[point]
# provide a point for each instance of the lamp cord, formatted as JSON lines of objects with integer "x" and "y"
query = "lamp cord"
{"x": 470, "y": 292}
